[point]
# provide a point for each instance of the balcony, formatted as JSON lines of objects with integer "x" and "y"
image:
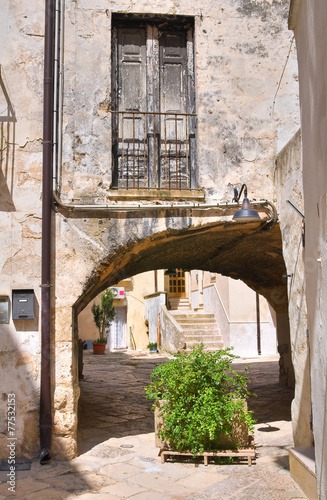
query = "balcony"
{"x": 154, "y": 151}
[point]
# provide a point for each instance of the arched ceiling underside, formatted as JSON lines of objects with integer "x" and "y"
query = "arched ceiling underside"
{"x": 247, "y": 251}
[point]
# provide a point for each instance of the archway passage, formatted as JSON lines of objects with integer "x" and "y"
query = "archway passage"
{"x": 248, "y": 252}
{"x": 113, "y": 409}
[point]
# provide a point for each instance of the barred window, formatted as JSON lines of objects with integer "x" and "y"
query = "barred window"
{"x": 153, "y": 105}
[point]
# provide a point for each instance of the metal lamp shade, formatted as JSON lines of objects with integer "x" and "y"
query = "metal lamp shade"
{"x": 246, "y": 214}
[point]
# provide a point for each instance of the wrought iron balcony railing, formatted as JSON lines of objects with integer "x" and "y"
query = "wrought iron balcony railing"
{"x": 154, "y": 150}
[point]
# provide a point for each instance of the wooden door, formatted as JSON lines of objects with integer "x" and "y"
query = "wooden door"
{"x": 130, "y": 123}
{"x": 117, "y": 335}
{"x": 153, "y": 100}
{"x": 173, "y": 102}
{"x": 177, "y": 284}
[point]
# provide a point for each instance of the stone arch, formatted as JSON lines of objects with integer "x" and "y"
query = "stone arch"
{"x": 118, "y": 247}
{"x": 241, "y": 251}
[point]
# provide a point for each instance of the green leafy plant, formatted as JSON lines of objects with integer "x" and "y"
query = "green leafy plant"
{"x": 152, "y": 345}
{"x": 202, "y": 397}
{"x": 103, "y": 314}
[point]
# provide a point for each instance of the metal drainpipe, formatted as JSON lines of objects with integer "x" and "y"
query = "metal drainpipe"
{"x": 45, "y": 391}
{"x": 257, "y": 301}
{"x": 273, "y": 216}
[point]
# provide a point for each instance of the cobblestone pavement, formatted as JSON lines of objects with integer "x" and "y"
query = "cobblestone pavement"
{"x": 117, "y": 457}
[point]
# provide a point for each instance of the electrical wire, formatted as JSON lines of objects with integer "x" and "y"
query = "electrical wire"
{"x": 281, "y": 77}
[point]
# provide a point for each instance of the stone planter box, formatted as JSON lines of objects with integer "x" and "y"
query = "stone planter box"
{"x": 240, "y": 436}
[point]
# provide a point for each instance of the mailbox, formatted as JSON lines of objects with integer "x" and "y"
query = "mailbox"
{"x": 4, "y": 309}
{"x": 23, "y": 304}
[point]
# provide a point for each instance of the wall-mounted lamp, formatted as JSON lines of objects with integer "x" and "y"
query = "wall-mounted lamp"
{"x": 246, "y": 213}
{"x": 170, "y": 272}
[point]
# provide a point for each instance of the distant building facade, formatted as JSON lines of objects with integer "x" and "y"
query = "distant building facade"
{"x": 245, "y": 320}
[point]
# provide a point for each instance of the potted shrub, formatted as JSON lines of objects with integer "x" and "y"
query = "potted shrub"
{"x": 201, "y": 401}
{"x": 103, "y": 314}
{"x": 152, "y": 346}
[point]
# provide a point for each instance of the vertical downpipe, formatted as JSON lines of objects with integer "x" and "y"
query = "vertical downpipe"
{"x": 257, "y": 301}
{"x": 45, "y": 391}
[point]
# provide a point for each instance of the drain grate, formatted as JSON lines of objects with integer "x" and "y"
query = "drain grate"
{"x": 268, "y": 429}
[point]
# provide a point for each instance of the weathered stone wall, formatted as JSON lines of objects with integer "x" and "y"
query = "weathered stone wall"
{"x": 308, "y": 21}
{"x": 172, "y": 339}
{"x": 290, "y": 187}
{"x": 240, "y": 51}
{"x": 238, "y": 326}
{"x": 21, "y": 82}
{"x": 241, "y": 48}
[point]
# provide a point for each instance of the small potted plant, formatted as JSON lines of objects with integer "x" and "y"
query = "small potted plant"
{"x": 153, "y": 346}
{"x": 103, "y": 314}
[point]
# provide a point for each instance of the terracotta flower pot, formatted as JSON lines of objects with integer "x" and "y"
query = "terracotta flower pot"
{"x": 99, "y": 347}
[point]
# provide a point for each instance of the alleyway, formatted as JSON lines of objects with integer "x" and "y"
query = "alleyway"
{"x": 112, "y": 402}
{"x": 117, "y": 457}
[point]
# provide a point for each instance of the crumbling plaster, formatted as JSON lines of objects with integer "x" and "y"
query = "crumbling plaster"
{"x": 244, "y": 115}
{"x": 21, "y": 74}
{"x": 290, "y": 187}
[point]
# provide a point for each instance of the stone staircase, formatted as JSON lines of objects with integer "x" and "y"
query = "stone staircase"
{"x": 179, "y": 303}
{"x": 199, "y": 328}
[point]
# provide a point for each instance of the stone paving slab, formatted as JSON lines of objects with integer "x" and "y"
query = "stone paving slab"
{"x": 91, "y": 496}
{"x": 153, "y": 495}
{"x": 162, "y": 484}
{"x": 198, "y": 479}
{"x": 123, "y": 489}
{"x": 120, "y": 471}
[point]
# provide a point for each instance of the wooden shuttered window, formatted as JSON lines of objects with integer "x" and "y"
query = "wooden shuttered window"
{"x": 153, "y": 97}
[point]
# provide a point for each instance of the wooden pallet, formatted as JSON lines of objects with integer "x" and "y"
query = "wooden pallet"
{"x": 242, "y": 452}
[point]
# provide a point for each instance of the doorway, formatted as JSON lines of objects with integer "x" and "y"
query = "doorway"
{"x": 117, "y": 332}
{"x": 154, "y": 104}
{"x": 177, "y": 284}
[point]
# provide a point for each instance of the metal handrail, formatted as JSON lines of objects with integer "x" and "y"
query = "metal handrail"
{"x": 152, "y": 112}
{"x": 165, "y": 160}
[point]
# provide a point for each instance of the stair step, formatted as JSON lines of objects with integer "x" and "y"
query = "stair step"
{"x": 201, "y": 333}
{"x": 197, "y": 321}
{"x": 200, "y": 326}
{"x": 178, "y": 303}
{"x": 207, "y": 345}
{"x": 203, "y": 338}
{"x": 179, "y": 300}
{"x": 303, "y": 472}
{"x": 190, "y": 316}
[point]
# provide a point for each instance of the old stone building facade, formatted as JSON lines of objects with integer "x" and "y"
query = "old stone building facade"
{"x": 307, "y": 20}
{"x": 159, "y": 110}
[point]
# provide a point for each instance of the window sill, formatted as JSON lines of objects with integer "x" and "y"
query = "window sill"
{"x": 157, "y": 194}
